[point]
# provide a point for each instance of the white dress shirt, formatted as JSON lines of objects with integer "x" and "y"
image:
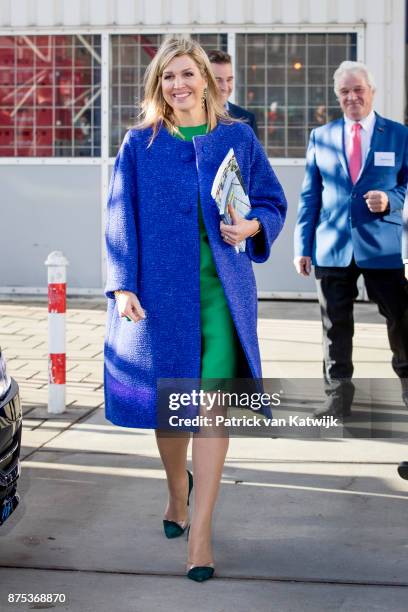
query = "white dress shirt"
{"x": 367, "y": 125}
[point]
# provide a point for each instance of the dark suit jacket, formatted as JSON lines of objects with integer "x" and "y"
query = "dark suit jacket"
{"x": 237, "y": 112}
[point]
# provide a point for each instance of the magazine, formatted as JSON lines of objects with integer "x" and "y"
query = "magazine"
{"x": 228, "y": 188}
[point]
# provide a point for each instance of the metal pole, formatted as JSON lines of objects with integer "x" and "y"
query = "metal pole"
{"x": 56, "y": 263}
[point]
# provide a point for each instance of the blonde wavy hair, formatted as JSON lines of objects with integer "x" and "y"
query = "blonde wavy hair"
{"x": 154, "y": 109}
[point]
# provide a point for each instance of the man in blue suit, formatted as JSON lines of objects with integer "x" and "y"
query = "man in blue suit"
{"x": 349, "y": 223}
{"x": 222, "y": 67}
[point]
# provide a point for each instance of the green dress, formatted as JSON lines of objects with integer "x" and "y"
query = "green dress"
{"x": 219, "y": 341}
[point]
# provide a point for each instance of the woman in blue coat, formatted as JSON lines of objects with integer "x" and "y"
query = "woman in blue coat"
{"x": 174, "y": 272}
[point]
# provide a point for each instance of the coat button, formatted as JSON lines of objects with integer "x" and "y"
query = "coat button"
{"x": 187, "y": 156}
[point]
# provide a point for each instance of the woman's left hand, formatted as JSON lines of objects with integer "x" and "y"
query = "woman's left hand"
{"x": 239, "y": 230}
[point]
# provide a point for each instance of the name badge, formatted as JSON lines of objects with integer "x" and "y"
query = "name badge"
{"x": 384, "y": 158}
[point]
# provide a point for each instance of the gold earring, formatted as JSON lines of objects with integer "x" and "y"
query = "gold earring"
{"x": 164, "y": 107}
{"x": 204, "y": 98}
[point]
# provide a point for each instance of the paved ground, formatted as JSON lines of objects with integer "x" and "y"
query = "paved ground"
{"x": 300, "y": 524}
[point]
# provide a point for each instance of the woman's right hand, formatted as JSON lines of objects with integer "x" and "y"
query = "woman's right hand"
{"x": 129, "y": 306}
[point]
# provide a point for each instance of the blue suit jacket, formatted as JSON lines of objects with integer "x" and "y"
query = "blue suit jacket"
{"x": 334, "y": 222}
{"x": 237, "y": 112}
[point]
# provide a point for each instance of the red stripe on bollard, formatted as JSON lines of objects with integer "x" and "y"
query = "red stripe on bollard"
{"x": 57, "y": 299}
{"x": 56, "y": 368}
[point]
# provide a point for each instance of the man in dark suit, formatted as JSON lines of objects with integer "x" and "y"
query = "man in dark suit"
{"x": 222, "y": 68}
{"x": 349, "y": 224}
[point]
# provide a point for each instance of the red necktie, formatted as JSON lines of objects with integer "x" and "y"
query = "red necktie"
{"x": 355, "y": 158}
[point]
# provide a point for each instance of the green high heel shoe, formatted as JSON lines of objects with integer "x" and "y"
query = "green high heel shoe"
{"x": 201, "y": 573}
{"x": 172, "y": 529}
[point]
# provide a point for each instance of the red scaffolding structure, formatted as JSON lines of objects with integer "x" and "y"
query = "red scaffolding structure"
{"x": 44, "y": 84}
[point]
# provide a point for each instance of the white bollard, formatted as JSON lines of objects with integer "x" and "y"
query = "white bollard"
{"x": 57, "y": 303}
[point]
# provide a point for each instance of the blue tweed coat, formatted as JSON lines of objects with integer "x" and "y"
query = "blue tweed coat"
{"x": 152, "y": 241}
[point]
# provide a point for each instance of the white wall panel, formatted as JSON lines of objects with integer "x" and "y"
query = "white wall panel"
{"x": 374, "y": 10}
{"x": 24, "y": 13}
{"x": 127, "y": 12}
{"x": 45, "y": 13}
{"x": 180, "y": 11}
{"x": 5, "y": 12}
{"x": 276, "y": 8}
{"x": 395, "y": 6}
{"x": 387, "y": 83}
{"x": 290, "y": 11}
{"x": 153, "y": 11}
{"x": 331, "y": 13}
{"x": 47, "y": 202}
{"x": 346, "y": 11}
{"x": 304, "y": 11}
{"x": 263, "y": 11}
{"x": 375, "y": 59}
{"x": 207, "y": 11}
{"x": 85, "y": 12}
{"x": 235, "y": 11}
{"x": 360, "y": 12}
{"x": 21, "y": 13}
{"x": 101, "y": 11}
{"x": 71, "y": 12}
{"x": 318, "y": 11}
{"x": 248, "y": 11}
{"x": 396, "y": 66}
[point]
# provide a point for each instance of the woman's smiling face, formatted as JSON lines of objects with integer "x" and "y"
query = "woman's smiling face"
{"x": 183, "y": 85}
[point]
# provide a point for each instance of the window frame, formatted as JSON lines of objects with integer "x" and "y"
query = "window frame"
{"x": 106, "y": 33}
{"x": 72, "y": 160}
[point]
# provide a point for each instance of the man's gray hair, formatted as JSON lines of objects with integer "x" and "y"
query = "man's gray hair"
{"x": 348, "y": 67}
